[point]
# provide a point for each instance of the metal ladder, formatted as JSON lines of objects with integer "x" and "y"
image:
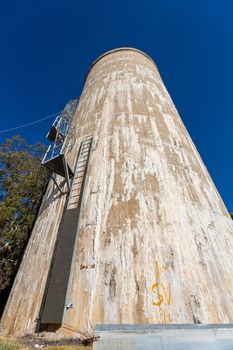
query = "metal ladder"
{"x": 76, "y": 192}
{"x": 53, "y": 304}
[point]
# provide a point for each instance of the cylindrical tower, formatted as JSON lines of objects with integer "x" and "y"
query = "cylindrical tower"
{"x": 153, "y": 240}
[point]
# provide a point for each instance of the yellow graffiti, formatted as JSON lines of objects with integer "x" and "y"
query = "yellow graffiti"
{"x": 167, "y": 296}
{"x": 158, "y": 303}
{"x": 162, "y": 294}
{"x": 160, "y": 269}
{"x": 164, "y": 317}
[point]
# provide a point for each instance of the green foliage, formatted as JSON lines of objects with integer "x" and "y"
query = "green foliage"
{"x": 22, "y": 183}
{"x": 231, "y": 214}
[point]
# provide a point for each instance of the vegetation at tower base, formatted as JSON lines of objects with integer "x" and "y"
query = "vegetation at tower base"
{"x": 30, "y": 342}
{"x": 22, "y": 183}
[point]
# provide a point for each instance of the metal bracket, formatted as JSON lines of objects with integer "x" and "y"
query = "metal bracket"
{"x": 59, "y": 188}
{"x": 66, "y": 173}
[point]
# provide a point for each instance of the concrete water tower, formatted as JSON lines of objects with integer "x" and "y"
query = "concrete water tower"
{"x": 131, "y": 228}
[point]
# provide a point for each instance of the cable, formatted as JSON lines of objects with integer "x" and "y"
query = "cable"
{"x": 24, "y": 125}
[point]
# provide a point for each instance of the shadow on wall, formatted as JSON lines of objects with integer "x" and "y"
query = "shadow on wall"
{"x": 53, "y": 196}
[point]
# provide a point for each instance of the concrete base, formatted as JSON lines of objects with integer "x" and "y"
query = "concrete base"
{"x": 164, "y": 337}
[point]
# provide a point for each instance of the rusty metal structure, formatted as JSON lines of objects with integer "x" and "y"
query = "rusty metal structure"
{"x": 143, "y": 235}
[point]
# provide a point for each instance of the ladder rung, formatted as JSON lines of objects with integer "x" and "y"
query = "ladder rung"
{"x": 77, "y": 185}
{"x": 88, "y": 138}
{"x": 75, "y": 193}
{"x": 81, "y": 169}
{"x": 75, "y": 196}
{"x": 76, "y": 182}
{"x": 82, "y": 166}
{"x": 79, "y": 176}
{"x": 74, "y": 200}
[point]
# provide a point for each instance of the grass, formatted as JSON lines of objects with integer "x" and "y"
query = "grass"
{"x": 11, "y": 344}
{"x": 8, "y": 344}
{"x": 68, "y": 347}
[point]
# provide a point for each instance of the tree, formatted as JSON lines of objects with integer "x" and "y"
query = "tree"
{"x": 22, "y": 183}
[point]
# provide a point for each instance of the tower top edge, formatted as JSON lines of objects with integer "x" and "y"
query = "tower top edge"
{"x": 116, "y": 50}
{"x": 121, "y": 49}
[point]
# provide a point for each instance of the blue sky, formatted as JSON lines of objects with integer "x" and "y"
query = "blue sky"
{"x": 47, "y": 47}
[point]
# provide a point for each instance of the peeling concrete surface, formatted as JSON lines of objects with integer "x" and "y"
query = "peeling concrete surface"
{"x": 155, "y": 240}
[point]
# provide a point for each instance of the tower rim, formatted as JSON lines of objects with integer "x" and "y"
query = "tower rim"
{"x": 116, "y": 50}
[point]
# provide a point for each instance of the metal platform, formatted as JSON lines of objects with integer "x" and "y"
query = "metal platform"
{"x": 164, "y": 337}
{"x": 57, "y": 166}
{"x": 62, "y": 138}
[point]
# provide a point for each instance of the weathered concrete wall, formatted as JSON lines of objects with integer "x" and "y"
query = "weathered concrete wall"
{"x": 24, "y": 302}
{"x": 155, "y": 239}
